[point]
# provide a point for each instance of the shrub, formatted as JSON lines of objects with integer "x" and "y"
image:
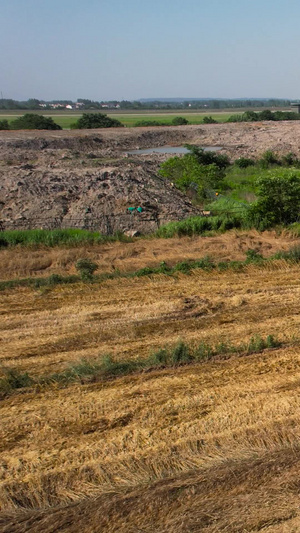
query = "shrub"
{"x": 244, "y": 162}
{"x": 209, "y": 120}
{"x": 208, "y": 157}
{"x": 191, "y": 176}
{"x": 86, "y": 268}
{"x": 268, "y": 158}
{"x": 278, "y": 199}
{"x": 96, "y": 120}
{"x": 289, "y": 160}
{"x": 147, "y": 123}
{"x": 30, "y": 121}
{"x": 4, "y": 125}
{"x": 179, "y": 121}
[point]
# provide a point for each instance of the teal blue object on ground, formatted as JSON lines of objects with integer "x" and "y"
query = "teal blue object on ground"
{"x": 140, "y": 209}
{"x": 131, "y": 209}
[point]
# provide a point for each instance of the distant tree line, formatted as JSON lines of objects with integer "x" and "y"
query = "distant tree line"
{"x": 32, "y": 121}
{"x": 84, "y": 103}
{"x": 252, "y": 116}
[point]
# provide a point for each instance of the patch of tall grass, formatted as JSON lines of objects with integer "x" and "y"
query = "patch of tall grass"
{"x": 293, "y": 254}
{"x": 200, "y": 225}
{"x": 107, "y": 367}
{"x": 56, "y": 237}
{"x": 205, "y": 263}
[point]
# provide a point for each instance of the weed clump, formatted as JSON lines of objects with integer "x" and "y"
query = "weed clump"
{"x": 86, "y": 269}
{"x": 108, "y": 367}
{"x": 12, "y": 380}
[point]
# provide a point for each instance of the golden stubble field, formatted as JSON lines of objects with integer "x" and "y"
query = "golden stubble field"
{"x": 206, "y": 447}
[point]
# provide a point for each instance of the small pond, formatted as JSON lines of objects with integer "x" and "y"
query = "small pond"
{"x": 170, "y": 150}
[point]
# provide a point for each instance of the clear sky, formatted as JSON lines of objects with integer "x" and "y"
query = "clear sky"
{"x": 131, "y": 49}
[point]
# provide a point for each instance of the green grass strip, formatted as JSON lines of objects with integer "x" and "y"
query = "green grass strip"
{"x": 107, "y": 367}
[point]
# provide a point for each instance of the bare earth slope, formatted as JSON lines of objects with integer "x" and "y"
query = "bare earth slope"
{"x": 86, "y": 179}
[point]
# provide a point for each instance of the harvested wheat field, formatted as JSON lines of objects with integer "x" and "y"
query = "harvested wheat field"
{"x": 19, "y": 261}
{"x": 209, "y": 445}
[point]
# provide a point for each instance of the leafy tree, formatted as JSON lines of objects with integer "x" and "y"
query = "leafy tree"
{"x": 278, "y": 199}
{"x": 251, "y": 116}
{"x": 30, "y": 121}
{"x": 96, "y": 120}
{"x": 4, "y": 125}
{"x": 179, "y": 121}
{"x": 266, "y": 114}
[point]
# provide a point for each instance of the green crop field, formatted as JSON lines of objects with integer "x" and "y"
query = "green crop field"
{"x": 65, "y": 119}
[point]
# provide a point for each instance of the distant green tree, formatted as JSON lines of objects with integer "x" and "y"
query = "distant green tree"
{"x": 278, "y": 199}
{"x": 33, "y": 103}
{"x": 209, "y": 120}
{"x": 4, "y": 125}
{"x": 96, "y": 120}
{"x": 30, "y": 121}
{"x": 266, "y": 114}
{"x": 179, "y": 121}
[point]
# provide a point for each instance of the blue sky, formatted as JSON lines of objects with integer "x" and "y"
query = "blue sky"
{"x": 113, "y": 49}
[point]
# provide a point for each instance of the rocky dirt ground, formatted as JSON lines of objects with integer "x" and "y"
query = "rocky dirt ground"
{"x": 87, "y": 179}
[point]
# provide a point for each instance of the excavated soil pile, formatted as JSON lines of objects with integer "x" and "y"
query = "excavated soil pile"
{"x": 86, "y": 179}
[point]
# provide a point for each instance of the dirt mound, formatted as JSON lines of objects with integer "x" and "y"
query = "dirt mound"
{"x": 77, "y": 178}
{"x": 97, "y": 199}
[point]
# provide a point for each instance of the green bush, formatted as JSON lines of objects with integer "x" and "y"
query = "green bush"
{"x": 268, "y": 158}
{"x": 278, "y": 199}
{"x": 30, "y": 121}
{"x": 289, "y": 160}
{"x": 209, "y": 120}
{"x": 4, "y": 125}
{"x": 179, "y": 121}
{"x": 244, "y": 162}
{"x": 197, "y": 172}
{"x": 208, "y": 157}
{"x": 86, "y": 268}
{"x": 96, "y": 120}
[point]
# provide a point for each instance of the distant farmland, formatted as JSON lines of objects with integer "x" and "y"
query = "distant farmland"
{"x": 66, "y": 118}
